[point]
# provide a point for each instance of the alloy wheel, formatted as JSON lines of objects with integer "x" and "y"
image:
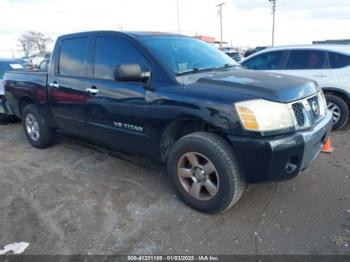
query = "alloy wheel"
{"x": 198, "y": 176}
{"x": 335, "y": 111}
{"x": 32, "y": 126}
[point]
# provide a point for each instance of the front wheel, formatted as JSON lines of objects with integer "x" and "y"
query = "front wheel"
{"x": 205, "y": 173}
{"x": 339, "y": 109}
{"x": 36, "y": 127}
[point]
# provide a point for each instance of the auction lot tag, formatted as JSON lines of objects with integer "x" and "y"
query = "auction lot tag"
{"x": 16, "y": 66}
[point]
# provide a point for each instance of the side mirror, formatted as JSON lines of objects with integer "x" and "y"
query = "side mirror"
{"x": 130, "y": 73}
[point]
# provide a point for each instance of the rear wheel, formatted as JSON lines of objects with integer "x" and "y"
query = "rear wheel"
{"x": 339, "y": 109}
{"x": 36, "y": 127}
{"x": 204, "y": 172}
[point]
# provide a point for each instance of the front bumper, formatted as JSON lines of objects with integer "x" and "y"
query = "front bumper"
{"x": 281, "y": 157}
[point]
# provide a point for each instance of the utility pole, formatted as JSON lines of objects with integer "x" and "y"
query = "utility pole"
{"x": 220, "y": 12}
{"x": 273, "y": 3}
{"x": 178, "y": 17}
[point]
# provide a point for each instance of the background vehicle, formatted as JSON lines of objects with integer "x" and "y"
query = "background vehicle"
{"x": 7, "y": 64}
{"x": 179, "y": 100}
{"x": 251, "y": 51}
{"x": 328, "y": 65}
{"x": 44, "y": 65}
{"x": 235, "y": 55}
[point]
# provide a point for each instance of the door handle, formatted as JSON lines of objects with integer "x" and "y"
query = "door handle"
{"x": 54, "y": 84}
{"x": 93, "y": 90}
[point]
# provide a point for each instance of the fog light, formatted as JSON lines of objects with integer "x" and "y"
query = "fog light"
{"x": 292, "y": 165}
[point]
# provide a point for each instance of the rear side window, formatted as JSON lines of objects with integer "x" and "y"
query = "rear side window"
{"x": 338, "y": 60}
{"x": 307, "y": 59}
{"x": 73, "y": 57}
{"x": 113, "y": 51}
{"x": 267, "y": 61}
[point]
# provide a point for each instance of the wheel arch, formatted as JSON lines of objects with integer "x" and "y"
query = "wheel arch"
{"x": 23, "y": 102}
{"x": 337, "y": 92}
{"x": 180, "y": 128}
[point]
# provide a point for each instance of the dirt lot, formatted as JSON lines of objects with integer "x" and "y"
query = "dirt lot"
{"x": 74, "y": 199}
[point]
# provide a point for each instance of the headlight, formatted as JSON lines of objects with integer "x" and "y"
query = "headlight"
{"x": 262, "y": 115}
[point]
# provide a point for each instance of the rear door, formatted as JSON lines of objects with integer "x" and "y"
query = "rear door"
{"x": 340, "y": 68}
{"x": 312, "y": 64}
{"x": 117, "y": 113}
{"x": 67, "y": 84}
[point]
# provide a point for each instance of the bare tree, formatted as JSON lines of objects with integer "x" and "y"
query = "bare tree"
{"x": 33, "y": 43}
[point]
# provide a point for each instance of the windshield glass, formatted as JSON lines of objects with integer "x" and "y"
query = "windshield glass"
{"x": 185, "y": 54}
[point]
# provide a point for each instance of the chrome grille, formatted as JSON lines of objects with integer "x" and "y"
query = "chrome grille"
{"x": 299, "y": 113}
{"x": 308, "y": 111}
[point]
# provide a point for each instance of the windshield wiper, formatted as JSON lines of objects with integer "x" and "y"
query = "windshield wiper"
{"x": 195, "y": 70}
{"x": 228, "y": 66}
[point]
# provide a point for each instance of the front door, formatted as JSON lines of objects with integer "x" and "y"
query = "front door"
{"x": 67, "y": 84}
{"x": 117, "y": 111}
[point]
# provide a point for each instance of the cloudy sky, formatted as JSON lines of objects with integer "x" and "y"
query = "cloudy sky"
{"x": 245, "y": 22}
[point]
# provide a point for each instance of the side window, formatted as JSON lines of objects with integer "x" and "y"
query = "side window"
{"x": 307, "y": 59}
{"x": 337, "y": 60}
{"x": 267, "y": 61}
{"x": 73, "y": 57}
{"x": 110, "y": 52}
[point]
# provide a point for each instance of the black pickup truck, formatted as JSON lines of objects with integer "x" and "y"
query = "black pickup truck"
{"x": 179, "y": 100}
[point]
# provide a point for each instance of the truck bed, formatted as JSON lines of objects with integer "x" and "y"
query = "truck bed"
{"x": 25, "y": 85}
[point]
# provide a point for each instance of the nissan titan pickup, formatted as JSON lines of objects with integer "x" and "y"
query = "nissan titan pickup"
{"x": 215, "y": 125}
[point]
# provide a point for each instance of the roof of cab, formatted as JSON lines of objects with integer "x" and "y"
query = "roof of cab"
{"x": 130, "y": 33}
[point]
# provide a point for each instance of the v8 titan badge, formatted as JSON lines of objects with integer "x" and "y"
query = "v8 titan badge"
{"x": 128, "y": 127}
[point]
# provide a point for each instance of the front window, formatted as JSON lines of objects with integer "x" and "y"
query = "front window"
{"x": 185, "y": 54}
{"x": 267, "y": 61}
{"x": 110, "y": 52}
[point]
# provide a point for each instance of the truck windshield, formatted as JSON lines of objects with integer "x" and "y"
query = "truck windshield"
{"x": 187, "y": 55}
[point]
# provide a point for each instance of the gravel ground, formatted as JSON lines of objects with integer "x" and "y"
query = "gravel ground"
{"x": 74, "y": 198}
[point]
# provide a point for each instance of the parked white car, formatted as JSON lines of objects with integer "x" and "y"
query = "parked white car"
{"x": 328, "y": 65}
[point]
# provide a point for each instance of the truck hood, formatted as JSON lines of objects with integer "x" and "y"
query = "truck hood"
{"x": 269, "y": 86}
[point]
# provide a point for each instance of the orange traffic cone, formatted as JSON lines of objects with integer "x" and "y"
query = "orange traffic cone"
{"x": 327, "y": 147}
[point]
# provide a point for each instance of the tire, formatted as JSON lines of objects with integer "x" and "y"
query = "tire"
{"x": 340, "y": 111}
{"x": 194, "y": 183}
{"x": 37, "y": 128}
